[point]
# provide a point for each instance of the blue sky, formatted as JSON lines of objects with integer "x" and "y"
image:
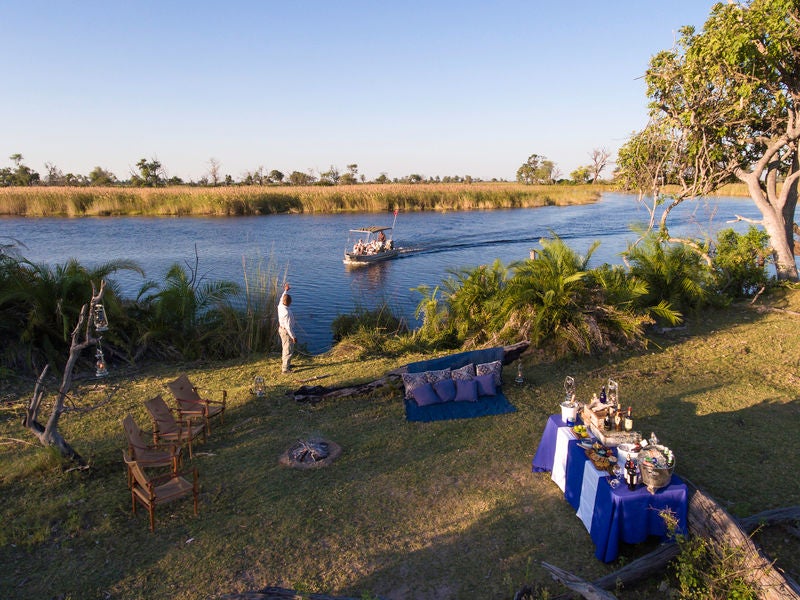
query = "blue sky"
{"x": 435, "y": 87}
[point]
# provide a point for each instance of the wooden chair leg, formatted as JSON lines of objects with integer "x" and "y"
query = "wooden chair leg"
{"x": 152, "y": 510}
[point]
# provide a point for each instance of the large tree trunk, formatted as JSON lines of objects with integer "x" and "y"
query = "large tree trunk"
{"x": 777, "y": 208}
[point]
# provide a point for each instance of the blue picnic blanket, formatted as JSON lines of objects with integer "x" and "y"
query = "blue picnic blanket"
{"x": 485, "y": 406}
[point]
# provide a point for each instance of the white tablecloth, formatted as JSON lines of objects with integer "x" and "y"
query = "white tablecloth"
{"x": 559, "y": 474}
{"x": 588, "y": 493}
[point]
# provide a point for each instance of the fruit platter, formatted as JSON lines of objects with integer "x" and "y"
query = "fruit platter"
{"x": 580, "y": 431}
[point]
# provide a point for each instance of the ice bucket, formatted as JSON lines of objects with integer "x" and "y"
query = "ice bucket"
{"x": 569, "y": 411}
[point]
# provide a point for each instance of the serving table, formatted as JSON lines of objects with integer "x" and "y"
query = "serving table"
{"x": 610, "y": 515}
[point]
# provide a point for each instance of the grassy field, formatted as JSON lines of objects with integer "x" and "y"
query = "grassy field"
{"x": 260, "y": 200}
{"x": 410, "y": 510}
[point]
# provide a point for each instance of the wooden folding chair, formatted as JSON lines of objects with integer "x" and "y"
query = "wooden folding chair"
{"x": 166, "y": 428}
{"x": 191, "y": 404}
{"x": 154, "y": 491}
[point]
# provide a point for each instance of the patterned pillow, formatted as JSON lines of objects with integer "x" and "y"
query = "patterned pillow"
{"x": 434, "y": 376}
{"x": 465, "y": 373}
{"x": 495, "y": 368}
{"x": 412, "y": 381}
{"x": 486, "y": 385}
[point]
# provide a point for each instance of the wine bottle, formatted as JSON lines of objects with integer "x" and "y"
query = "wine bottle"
{"x": 608, "y": 422}
{"x": 629, "y": 420}
{"x": 618, "y": 421}
{"x": 603, "y": 396}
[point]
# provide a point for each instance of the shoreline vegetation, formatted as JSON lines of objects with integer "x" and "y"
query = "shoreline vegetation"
{"x": 231, "y": 201}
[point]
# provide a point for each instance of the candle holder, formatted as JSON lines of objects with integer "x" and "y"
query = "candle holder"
{"x": 519, "y": 380}
{"x": 100, "y": 362}
{"x": 259, "y": 387}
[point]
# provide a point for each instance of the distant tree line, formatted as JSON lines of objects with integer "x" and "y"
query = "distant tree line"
{"x": 152, "y": 173}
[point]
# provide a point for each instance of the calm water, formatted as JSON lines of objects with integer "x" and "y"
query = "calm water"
{"x": 309, "y": 247}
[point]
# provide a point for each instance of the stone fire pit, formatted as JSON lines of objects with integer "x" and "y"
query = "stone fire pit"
{"x": 310, "y": 454}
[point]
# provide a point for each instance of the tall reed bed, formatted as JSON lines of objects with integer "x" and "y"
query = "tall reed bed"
{"x": 261, "y": 200}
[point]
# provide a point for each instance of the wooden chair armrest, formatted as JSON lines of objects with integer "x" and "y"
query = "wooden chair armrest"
{"x": 214, "y": 390}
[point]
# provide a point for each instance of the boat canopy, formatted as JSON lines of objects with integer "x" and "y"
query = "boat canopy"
{"x": 372, "y": 229}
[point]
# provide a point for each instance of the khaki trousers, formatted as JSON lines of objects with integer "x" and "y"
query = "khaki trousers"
{"x": 287, "y": 349}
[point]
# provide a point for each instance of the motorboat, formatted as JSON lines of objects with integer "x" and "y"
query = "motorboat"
{"x": 367, "y": 245}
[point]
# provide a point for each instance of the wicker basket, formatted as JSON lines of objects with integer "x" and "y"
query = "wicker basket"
{"x": 654, "y": 476}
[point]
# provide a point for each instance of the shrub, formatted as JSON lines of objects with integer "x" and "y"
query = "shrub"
{"x": 740, "y": 262}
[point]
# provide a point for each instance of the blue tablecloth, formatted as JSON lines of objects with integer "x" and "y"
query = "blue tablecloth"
{"x": 612, "y": 516}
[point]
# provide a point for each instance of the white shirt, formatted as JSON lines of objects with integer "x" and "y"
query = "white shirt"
{"x": 285, "y": 318}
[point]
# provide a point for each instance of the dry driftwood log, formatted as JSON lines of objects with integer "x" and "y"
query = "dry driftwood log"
{"x": 771, "y": 517}
{"x": 317, "y": 393}
{"x": 709, "y": 520}
{"x": 278, "y": 593}
{"x": 575, "y": 583}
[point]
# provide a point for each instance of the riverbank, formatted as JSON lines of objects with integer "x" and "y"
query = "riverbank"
{"x": 410, "y": 510}
{"x": 231, "y": 201}
{"x": 265, "y": 200}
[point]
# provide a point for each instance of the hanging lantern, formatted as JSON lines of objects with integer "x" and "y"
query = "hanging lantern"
{"x": 259, "y": 387}
{"x": 100, "y": 319}
{"x": 100, "y": 363}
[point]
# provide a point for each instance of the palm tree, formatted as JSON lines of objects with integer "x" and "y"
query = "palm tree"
{"x": 675, "y": 274}
{"x": 43, "y": 303}
{"x": 182, "y": 311}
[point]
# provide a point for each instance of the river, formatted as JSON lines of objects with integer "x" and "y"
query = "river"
{"x": 308, "y": 248}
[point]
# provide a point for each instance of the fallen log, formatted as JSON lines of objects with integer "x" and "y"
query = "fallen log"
{"x": 576, "y": 584}
{"x": 279, "y": 593}
{"x": 709, "y": 520}
{"x": 770, "y": 517}
{"x": 635, "y": 571}
{"x": 316, "y": 393}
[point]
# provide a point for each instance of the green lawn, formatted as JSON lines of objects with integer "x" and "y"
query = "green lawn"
{"x": 410, "y": 510}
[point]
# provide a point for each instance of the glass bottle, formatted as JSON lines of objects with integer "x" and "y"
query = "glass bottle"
{"x": 608, "y": 421}
{"x": 629, "y": 420}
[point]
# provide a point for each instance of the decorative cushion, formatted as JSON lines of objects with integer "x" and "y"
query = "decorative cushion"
{"x": 424, "y": 395}
{"x": 466, "y": 390}
{"x": 465, "y": 373}
{"x": 412, "y": 381}
{"x": 445, "y": 389}
{"x": 495, "y": 368}
{"x": 434, "y": 376}
{"x": 486, "y": 385}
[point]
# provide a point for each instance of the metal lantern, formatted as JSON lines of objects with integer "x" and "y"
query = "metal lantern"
{"x": 613, "y": 393}
{"x": 569, "y": 388}
{"x": 259, "y": 387}
{"x": 100, "y": 319}
{"x": 519, "y": 379}
{"x": 100, "y": 362}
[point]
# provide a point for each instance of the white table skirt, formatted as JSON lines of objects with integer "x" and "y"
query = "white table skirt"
{"x": 559, "y": 474}
{"x": 588, "y": 493}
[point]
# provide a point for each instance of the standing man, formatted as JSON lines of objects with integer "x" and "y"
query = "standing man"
{"x": 286, "y": 329}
